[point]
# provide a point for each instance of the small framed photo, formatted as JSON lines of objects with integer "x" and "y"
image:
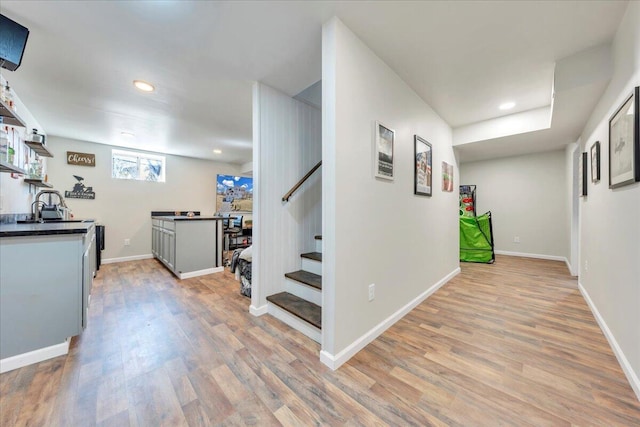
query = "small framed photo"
{"x": 422, "y": 169}
{"x": 383, "y": 151}
{"x": 447, "y": 177}
{"x": 624, "y": 143}
{"x": 583, "y": 177}
{"x": 595, "y": 162}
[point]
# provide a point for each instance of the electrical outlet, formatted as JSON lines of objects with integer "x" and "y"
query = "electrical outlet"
{"x": 372, "y": 291}
{"x": 516, "y": 239}
{"x": 586, "y": 265}
{"x": 127, "y": 242}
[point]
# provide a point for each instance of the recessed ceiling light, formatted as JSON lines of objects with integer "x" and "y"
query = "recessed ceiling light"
{"x": 127, "y": 134}
{"x": 217, "y": 151}
{"x": 143, "y": 86}
{"x": 507, "y": 106}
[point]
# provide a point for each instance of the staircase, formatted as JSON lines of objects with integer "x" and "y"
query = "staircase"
{"x": 299, "y": 306}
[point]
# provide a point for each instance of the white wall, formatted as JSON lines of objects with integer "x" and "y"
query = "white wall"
{"x": 527, "y": 197}
{"x": 124, "y": 206}
{"x": 376, "y": 231}
{"x": 609, "y": 225}
{"x": 286, "y": 145}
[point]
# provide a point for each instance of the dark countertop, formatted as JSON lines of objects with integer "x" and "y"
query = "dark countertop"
{"x": 45, "y": 229}
{"x": 194, "y": 218}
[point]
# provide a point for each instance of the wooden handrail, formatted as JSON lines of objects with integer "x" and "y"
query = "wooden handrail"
{"x": 287, "y": 196}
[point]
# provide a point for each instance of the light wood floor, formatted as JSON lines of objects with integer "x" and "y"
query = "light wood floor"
{"x": 506, "y": 344}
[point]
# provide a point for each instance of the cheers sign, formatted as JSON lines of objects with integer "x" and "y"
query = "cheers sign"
{"x": 81, "y": 159}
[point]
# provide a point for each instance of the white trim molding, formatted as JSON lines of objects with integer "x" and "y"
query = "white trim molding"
{"x": 35, "y": 356}
{"x": 197, "y": 273}
{"x": 634, "y": 381}
{"x": 126, "y": 258}
{"x": 335, "y": 361}
{"x": 538, "y": 256}
{"x": 295, "y": 322}
{"x": 258, "y": 311}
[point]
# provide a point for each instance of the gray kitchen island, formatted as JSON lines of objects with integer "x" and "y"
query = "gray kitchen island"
{"x": 188, "y": 246}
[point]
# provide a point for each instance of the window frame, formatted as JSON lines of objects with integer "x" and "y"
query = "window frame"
{"x": 139, "y": 156}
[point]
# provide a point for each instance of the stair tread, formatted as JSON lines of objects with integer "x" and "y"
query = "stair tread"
{"x": 305, "y": 310}
{"x": 317, "y": 256}
{"x": 318, "y": 237}
{"x": 306, "y": 277}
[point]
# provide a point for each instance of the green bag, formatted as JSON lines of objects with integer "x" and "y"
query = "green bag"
{"x": 476, "y": 239}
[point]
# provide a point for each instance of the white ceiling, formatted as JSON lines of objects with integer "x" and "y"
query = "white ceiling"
{"x": 463, "y": 58}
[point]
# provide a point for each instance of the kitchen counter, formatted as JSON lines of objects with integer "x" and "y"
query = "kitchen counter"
{"x": 45, "y": 229}
{"x": 193, "y": 218}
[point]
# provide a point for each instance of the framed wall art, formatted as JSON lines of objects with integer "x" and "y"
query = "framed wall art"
{"x": 595, "y": 162}
{"x": 583, "y": 168}
{"x": 423, "y": 153}
{"x": 383, "y": 141}
{"x": 447, "y": 177}
{"x": 624, "y": 143}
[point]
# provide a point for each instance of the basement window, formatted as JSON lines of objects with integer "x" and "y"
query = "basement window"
{"x": 138, "y": 166}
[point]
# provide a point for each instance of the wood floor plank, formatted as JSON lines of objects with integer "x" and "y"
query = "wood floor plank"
{"x": 512, "y": 343}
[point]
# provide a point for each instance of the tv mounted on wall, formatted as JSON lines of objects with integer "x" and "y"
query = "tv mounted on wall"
{"x": 13, "y": 39}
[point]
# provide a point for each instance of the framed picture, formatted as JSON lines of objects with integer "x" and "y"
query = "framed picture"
{"x": 383, "y": 152}
{"x": 582, "y": 174}
{"x": 447, "y": 177}
{"x": 595, "y": 162}
{"x": 624, "y": 143}
{"x": 422, "y": 169}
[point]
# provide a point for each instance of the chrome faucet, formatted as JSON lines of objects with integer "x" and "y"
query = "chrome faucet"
{"x": 36, "y": 213}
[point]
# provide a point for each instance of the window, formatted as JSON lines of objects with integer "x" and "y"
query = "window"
{"x": 140, "y": 166}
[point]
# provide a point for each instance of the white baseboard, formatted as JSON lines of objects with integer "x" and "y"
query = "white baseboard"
{"x": 624, "y": 362}
{"x": 35, "y": 356}
{"x": 538, "y": 256}
{"x": 258, "y": 311}
{"x": 335, "y": 361}
{"x": 197, "y": 273}
{"x": 295, "y": 322}
{"x": 126, "y": 258}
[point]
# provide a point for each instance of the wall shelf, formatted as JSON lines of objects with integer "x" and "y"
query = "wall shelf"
{"x": 38, "y": 183}
{"x": 9, "y": 117}
{"x": 39, "y": 148}
{"x": 10, "y": 168}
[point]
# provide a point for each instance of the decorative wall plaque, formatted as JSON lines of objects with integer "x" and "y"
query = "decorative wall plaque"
{"x": 81, "y": 159}
{"x": 80, "y": 191}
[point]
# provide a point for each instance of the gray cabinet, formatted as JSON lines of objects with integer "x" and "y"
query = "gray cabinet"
{"x": 163, "y": 244}
{"x": 44, "y": 289}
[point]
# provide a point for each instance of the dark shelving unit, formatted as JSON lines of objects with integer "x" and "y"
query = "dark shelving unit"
{"x": 39, "y": 148}
{"x": 9, "y": 117}
{"x": 38, "y": 183}
{"x": 9, "y": 168}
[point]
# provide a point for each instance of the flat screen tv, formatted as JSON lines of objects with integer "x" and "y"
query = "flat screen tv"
{"x": 13, "y": 39}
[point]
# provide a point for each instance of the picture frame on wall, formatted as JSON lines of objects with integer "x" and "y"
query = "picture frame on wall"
{"x": 423, "y": 177}
{"x": 384, "y": 139}
{"x": 447, "y": 177}
{"x": 624, "y": 143}
{"x": 583, "y": 174}
{"x": 595, "y": 162}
